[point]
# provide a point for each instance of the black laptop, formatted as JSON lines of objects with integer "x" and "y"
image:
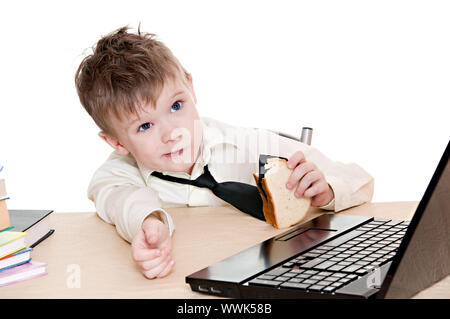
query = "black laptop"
{"x": 339, "y": 256}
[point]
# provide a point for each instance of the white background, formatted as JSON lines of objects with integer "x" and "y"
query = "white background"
{"x": 371, "y": 77}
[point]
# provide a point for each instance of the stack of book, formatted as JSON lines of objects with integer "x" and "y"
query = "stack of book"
{"x": 15, "y": 260}
{"x": 29, "y": 228}
{"x": 4, "y": 216}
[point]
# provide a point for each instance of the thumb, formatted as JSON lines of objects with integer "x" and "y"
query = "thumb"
{"x": 151, "y": 233}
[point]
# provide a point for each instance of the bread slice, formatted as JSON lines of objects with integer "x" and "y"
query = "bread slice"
{"x": 281, "y": 208}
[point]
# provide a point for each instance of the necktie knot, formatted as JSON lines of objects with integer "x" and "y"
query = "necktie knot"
{"x": 205, "y": 180}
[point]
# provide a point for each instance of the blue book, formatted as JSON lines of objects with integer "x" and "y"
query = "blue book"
{"x": 18, "y": 258}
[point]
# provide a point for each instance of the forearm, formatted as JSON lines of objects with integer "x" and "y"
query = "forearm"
{"x": 127, "y": 207}
{"x": 351, "y": 185}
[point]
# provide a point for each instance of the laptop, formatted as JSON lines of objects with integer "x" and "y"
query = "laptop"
{"x": 339, "y": 256}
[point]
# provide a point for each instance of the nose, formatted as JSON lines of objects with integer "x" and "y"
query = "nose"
{"x": 172, "y": 133}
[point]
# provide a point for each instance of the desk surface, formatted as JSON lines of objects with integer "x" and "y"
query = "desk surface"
{"x": 203, "y": 236}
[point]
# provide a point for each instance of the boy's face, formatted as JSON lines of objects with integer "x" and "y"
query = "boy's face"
{"x": 156, "y": 134}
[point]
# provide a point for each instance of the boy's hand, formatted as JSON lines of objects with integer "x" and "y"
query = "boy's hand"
{"x": 309, "y": 180}
{"x": 151, "y": 248}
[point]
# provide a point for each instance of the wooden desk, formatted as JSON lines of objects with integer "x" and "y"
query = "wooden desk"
{"x": 203, "y": 236}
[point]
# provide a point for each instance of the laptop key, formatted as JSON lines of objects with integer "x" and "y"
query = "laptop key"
{"x": 324, "y": 265}
{"x": 315, "y": 288}
{"x": 312, "y": 263}
{"x": 351, "y": 268}
{"x": 344, "y": 280}
{"x": 344, "y": 263}
{"x": 294, "y": 285}
{"x": 266, "y": 277}
{"x": 295, "y": 280}
{"x": 381, "y": 220}
{"x": 288, "y": 264}
{"x": 277, "y": 271}
{"x": 338, "y": 275}
{"x": 311, "y": 255}
{"x": 263, "y": 282}
{"x": 290, "y": 274}
{"x": 296, "y": 271}
{"x": 361, "y": 271}
{"x": 329, "y": 289}
{"x": 330, "y": 280}
{"x": 336, "y": 268}
{"x": 324, "y": 282}
{"x": 281, "y": 278}
{"x": 325, "y": 273}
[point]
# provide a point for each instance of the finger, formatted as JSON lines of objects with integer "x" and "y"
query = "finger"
{"x": 153, "y": 272}
{"x": 298, "y": 173}
{"x": 152, "y": 263}
{"x": 318, "y": 187}
{"x": 295, "y": 159}
{"x": 322, "y": 198}
{"x": 306, "y": 181}
{"x": 164, "y": 233}
{"x": 142, "y": 254}
{"x": 152, "y": 234}
{"x": 166, "y": 246}
{"x": 166, "y": 270}
{"x": 139, "y": 241}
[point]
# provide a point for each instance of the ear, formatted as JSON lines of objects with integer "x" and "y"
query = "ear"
{"x": 115, "y": 144}
{"x": 191, "y": 84}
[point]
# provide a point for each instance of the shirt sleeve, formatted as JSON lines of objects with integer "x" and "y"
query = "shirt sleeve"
{"x": 351, "y": 184}
{"x": 122, "y": 198}
{"x": 329, "y": 206}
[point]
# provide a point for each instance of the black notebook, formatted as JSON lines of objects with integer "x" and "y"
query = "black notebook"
{"x": 34, "y": 222}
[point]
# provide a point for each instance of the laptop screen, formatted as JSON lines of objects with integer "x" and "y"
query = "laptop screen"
{"x": 423, "y": 257}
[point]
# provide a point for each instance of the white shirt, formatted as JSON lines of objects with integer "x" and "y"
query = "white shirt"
{"x": 125, "y": 193}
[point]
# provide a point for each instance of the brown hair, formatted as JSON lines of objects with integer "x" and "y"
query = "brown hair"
{"x": 126, "y": 71}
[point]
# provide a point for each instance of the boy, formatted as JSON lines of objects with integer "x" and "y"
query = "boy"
{"x": 144, "y": 102}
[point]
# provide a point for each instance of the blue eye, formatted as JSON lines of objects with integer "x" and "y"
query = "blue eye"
{"x": 176, "y": 106}
{"x": 144, "y": 127}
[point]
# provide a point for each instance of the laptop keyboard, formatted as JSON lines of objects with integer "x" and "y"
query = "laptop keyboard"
{"x": 337, "y": 263}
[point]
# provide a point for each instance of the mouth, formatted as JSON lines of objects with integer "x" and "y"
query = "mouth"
{"x": 176, "y": 153}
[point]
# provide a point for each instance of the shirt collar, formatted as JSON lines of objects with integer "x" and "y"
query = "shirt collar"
{"x": 212, "y": 137}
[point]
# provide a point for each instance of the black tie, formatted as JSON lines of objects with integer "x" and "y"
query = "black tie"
{"x": 243, "y": 196}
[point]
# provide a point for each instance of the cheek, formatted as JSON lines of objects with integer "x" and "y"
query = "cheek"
{"x": 145, "y": 151}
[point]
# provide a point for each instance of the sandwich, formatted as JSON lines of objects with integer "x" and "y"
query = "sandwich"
{"x": 280, "y": 206}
